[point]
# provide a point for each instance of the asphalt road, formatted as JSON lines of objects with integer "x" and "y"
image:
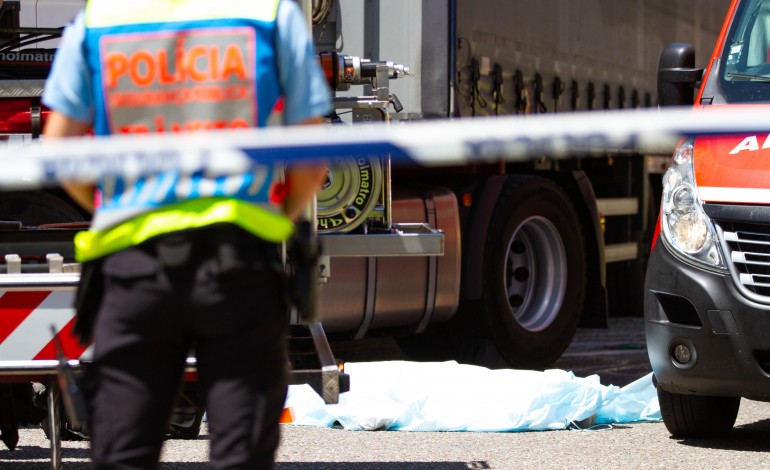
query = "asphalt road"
{"x": 617, "y": 355}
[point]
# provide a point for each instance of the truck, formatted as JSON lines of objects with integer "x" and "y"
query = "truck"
{"x": 531, "y": 250}
{"x": 706, "y": 290}
{"x": 480, "y": 262}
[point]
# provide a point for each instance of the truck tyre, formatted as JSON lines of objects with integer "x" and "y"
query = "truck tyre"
{"x": 66, "y": 431}
{"x": 187, "y": 414}
{"x": 534, "y": 272}
{"x": 697, "y": 416}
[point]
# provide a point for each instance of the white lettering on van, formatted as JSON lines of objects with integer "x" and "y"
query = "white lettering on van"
{"x": 751, "y": 143}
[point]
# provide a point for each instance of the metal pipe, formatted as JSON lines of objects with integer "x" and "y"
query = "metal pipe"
{"x": 54, "y": 424}
{"x": 387, "y": 195}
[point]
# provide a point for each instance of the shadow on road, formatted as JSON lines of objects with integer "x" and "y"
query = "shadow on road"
{"x": 752, "y": 437}
{"x": 31, "y": 452}
{"x": 382, "y": 465}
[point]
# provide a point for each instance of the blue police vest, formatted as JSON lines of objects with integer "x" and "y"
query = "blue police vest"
{"x": 183, "y": 65}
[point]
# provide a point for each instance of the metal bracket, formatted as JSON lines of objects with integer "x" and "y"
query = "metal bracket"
{"x": 324, "y": 268}
{"x": 405, "y": 240}
{"x": 55, "y": 263}
{"x": 14, "y": 264}
{"x": 330, "y": 373}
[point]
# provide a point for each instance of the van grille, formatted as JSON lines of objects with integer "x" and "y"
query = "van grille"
{"x": 747, "y": 249}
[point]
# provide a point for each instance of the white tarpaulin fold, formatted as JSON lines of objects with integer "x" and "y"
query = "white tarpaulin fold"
{"x": 447, "y": 396}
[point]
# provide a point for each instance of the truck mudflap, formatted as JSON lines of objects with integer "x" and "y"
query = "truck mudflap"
{"x": 37, "y": 300}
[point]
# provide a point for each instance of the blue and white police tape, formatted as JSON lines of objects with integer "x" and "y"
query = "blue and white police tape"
{"x": 426, "y": 143}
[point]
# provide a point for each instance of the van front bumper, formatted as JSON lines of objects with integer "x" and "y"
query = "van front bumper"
{"x": 721, "y": 338}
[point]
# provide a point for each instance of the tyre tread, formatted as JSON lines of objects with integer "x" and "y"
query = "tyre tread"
{"x": 688, "y": 416}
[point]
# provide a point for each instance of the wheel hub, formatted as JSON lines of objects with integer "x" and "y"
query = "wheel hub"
{"x": 535, "y": 273}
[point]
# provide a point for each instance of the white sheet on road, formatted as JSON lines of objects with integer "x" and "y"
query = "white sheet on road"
{"x": 446, "y": 396}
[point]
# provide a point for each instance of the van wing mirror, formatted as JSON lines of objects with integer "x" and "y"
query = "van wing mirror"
{"x": 677, "y": 75}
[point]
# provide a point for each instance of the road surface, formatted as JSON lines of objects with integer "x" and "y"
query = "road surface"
{"x": 618, "y": 355}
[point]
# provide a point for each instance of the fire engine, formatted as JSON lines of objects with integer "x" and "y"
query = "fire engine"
{"x": 462, "y": 261}
{"x": 707, "y": 294}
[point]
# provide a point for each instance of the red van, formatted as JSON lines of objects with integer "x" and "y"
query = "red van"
{"x": 707, "y": 288}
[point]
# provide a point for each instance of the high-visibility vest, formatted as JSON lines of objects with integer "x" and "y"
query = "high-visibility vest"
{"x": 178, "y": 65}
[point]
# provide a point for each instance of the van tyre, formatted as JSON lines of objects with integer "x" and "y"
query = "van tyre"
{"x": 534, "y": 272}
{"x": 697, "y": 416}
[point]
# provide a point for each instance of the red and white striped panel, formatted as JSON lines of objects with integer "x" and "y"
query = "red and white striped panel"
{"x": 26, "y": 318}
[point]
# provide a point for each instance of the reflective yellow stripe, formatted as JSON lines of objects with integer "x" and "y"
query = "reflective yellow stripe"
{"x": 191, "y": 214}
{"x": 103, "y": 13}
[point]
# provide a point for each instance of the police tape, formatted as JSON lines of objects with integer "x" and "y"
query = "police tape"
{"x": 425, "y": 143}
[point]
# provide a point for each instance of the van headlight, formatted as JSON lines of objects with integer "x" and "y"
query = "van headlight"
{"x": 686, "y": 228}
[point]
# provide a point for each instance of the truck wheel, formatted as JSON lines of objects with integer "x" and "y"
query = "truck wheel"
{"x": 187, "y": 414}
{"x": 697, "y": 416}
{"x": 66, "y": 431}
{"x": 534, "y": 272}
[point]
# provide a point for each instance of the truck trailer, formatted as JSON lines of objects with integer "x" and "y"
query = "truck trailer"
{"x": 531, "y": 250}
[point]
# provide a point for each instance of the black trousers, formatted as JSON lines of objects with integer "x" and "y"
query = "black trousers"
{"x": 217, "y": 291}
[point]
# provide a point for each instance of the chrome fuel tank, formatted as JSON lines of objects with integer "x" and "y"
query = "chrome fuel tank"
{"x": 379, "y": 292}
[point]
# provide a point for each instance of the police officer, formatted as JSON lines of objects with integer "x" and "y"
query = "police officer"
{"x": 188, "y": 261}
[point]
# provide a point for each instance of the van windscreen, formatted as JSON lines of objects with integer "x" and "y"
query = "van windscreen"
{"x": 745, "y": 62}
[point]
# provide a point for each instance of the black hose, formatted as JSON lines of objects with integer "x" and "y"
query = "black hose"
{"x": 321, "y": 10}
